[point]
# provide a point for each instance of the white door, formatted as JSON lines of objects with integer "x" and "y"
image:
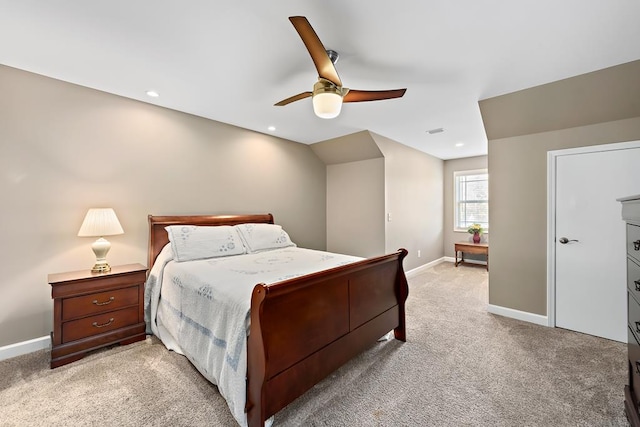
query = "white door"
{"x": 590, "y": 272}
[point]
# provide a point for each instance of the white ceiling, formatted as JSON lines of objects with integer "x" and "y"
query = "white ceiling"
{"x": 232, "y": 60}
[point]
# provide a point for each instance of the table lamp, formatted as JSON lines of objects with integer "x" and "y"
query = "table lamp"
{"x": 100, "y": 222}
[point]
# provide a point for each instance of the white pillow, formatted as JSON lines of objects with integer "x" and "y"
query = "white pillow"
{"x": 191, "y": 242}
{"x": 262, "y": 237}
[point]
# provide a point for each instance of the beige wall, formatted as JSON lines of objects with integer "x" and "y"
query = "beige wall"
{"x": 65, "y": 148}
{"x": 522, "y": 127}
{"x": 349, "y": 148}
{"x": 598, "y": 97}
{"x": 451, "y": 166}
{"x": 411, "y": 192}
{"x": 355, "y": 208}
{"x": 518, "y": 209}
{"x": 414, "y": 197}
{"x": 355, "y": 194}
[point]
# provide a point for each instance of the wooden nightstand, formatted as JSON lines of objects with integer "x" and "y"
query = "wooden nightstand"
{"x": 93, "y": 310}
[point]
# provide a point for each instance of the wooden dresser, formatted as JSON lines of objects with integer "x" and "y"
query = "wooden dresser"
{"x": 631, "y": 214}
{"x": 93, "y": 310}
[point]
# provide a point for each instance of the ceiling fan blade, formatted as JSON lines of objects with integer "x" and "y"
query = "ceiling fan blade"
{"x": 293, "y": 98}
{"x": 372, "y": 95}
{"x": 316, "y": 49}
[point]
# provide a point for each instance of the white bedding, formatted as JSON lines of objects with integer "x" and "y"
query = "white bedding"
{"x": 201, "y": 308}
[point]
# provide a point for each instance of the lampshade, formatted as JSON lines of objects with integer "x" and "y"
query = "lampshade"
{"x": 100, "y": 222}
{"x": 327, "y": 105}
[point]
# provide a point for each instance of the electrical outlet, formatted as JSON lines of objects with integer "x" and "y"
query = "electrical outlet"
{"x": 418, "y": 253}
{"x": 389, "y": 217}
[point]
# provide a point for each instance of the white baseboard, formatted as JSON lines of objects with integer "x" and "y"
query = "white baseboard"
{"x": 510, "y": 312}
{"x": 18, "y": 349}
{"x": 519, "y": 315}
{"x": 468, "y": 261}
{"x": 418, "y": 270}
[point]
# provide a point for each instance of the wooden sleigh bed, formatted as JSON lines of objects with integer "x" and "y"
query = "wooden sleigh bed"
{"x": 338, "y": 313}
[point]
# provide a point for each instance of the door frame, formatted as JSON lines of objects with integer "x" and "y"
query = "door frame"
{"x": 551, "y": 212}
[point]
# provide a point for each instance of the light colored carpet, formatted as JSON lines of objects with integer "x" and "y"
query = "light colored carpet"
{"x": 459, "y": 367}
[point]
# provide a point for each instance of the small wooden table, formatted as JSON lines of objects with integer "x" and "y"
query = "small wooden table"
{"x": 471, "y": 248}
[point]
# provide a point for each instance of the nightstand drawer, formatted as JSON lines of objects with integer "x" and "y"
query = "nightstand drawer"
{"x": 94, "y": 325}
{"x": 634, "y": 361}
{"x": 633, "y": 278}
{"x": 86, "y": 305}
{"x": 633, "y": 241}
{"x": 633, "y": 313}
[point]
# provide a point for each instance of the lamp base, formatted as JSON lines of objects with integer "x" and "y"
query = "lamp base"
{"x": 101, "y": 268}
{"x": 101, "y": 248}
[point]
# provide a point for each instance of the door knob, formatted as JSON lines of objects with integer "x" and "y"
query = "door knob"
{"x": 564, "y": 240}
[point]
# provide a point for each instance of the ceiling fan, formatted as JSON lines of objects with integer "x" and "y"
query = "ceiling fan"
{"x": 328, "y": 93}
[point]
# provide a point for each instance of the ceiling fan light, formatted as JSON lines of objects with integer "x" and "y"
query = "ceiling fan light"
{"x": 327, "y": 105}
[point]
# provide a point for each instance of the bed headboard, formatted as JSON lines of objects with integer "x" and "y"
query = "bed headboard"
{"x": 158, "y": 237}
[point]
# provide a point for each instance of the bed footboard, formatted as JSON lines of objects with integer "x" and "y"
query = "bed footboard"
{"x": 305, "y": 328}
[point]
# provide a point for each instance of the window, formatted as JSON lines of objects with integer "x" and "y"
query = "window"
{"x": 471, "y": 199}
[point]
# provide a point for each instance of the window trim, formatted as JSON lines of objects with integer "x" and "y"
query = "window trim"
{"x": 456, "y": 174}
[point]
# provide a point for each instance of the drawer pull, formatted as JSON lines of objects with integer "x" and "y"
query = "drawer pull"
{"x": 636, "y": 245}
{"x": 95, "y": 301}
{"x": 95, "y": 324}
{"x": 637, "y": 282}
{"x": 638, "y": 367}
{"x": 638, "y": 327}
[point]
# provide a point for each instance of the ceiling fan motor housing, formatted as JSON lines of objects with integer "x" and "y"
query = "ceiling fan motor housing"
{"x": 333, "y": 56}
{"x": 325, "y": 86}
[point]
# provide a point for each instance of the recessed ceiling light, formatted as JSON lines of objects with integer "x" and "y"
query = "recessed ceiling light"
{"x": 459, "y": 144}
{"x": 436, "y": 130}
{"x": 153, "y": 93}
{"x": 271, "y": 128}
